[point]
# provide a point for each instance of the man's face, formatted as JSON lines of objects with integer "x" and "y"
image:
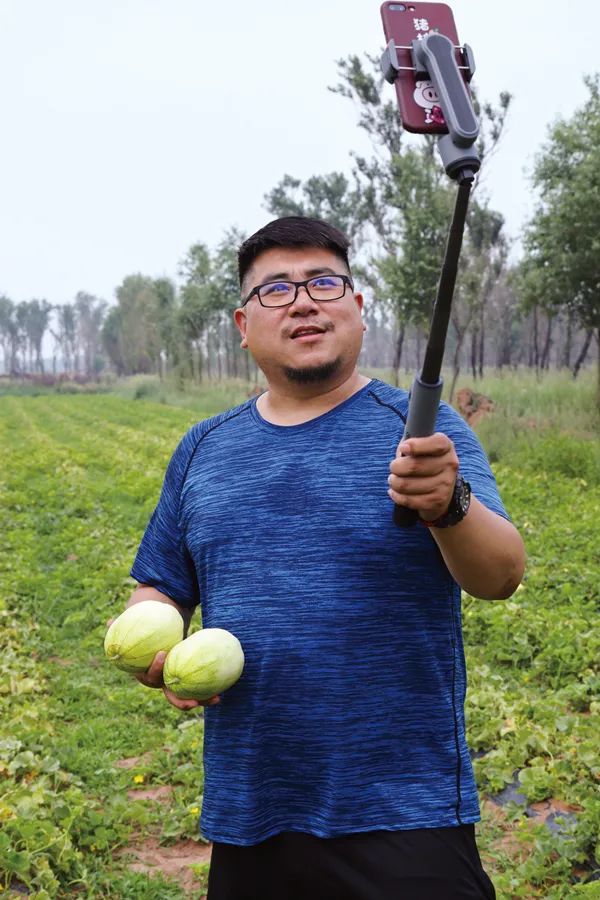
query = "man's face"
{"x": 273, "y": 335}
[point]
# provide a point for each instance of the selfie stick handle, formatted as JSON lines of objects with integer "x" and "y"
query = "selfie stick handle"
{"x": 426, "y": 390}
{"x": 434, "y": 58}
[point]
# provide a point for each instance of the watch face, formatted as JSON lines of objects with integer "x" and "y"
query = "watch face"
{"x": 459, "y": 505}
{"x": 464, "y": 496}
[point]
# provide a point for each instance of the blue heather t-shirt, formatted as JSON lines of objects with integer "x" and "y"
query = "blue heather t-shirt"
{"x": 349, "y": 715}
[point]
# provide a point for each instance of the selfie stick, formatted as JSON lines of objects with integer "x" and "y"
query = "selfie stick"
{"x": 433, "y": 59}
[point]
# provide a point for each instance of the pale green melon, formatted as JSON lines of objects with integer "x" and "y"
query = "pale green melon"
{"x": 206, "y": 663}
{"x": 134, "y": 639}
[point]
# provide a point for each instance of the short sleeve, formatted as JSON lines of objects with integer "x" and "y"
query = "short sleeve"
{"x": 163, "y": 560}
{"x": 473, "y": 463}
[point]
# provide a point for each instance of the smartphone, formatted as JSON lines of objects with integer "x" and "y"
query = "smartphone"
{"x": 417, "y": 99}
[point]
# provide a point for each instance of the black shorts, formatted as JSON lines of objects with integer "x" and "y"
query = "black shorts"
{"x": 420, "y": 864}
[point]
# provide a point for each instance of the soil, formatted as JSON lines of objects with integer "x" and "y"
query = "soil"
{"x": 172, "y": 862}
{"x": 538, "y": 813}
{"x": 147, "y": 855}
{"x": 473, "y": 406}
{"x": 161, "y": 794}
{"x": 131, "y": 762}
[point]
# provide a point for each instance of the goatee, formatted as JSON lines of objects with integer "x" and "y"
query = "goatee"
{"x": 312, "y": 374}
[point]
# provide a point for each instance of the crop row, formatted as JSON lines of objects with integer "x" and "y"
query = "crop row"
{"x": 80, "y": 741}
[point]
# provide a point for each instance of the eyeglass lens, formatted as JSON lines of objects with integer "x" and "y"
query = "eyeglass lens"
{"x": 325, "y": 287}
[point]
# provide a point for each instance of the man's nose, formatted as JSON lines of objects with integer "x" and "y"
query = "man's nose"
{"x": 303, "y": 301}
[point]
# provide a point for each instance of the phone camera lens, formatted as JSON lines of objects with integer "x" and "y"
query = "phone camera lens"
{"x": 397, "y": 7}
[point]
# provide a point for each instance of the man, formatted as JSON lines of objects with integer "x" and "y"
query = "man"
{"x": 336, "y": 768}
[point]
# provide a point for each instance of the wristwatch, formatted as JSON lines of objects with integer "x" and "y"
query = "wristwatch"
{"x": 459, "y": 506}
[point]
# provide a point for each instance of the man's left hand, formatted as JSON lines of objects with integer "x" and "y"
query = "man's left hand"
{"x": 423, "y": 475}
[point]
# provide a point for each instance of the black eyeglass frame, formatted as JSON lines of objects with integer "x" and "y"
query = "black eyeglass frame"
{"x": 347, "y": 281}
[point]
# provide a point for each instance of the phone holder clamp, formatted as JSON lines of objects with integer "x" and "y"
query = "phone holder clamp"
{"x": 391, "y": 68}
{"x": 434, "y": 59}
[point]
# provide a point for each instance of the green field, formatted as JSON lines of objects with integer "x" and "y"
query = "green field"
{"x": 99, "y": 774}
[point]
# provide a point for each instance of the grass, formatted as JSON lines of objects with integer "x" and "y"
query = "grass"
{"x": 83, "y": 476}
{"x": 550, "y": 420}
{"x": 207, "y": 398}
{"x": 531, "y": 413}
{"x": 76, "y": 510}
{"x": 526, "y": 404}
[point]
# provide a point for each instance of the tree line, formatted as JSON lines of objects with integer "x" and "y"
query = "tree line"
{"x": 395, "y": 206}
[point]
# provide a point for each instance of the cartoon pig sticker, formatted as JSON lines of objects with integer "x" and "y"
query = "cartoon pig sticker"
{"x": 425, "y": 96}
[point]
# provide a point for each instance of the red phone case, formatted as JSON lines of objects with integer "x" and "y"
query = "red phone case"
{"x": 417, "y": 99}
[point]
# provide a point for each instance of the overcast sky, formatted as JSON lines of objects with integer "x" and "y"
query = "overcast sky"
{"x": 133, "y": 128}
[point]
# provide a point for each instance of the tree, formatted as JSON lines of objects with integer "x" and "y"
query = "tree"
{"x": 227, "y": 296}
{"x": 209, "y": 294}
{"x": 9, "y": 334}
{"x": 506, "y": 319}
{"x": 562, "y": 244}
{"x": 196, "y": 304}
{"x": 33, "y": 317}
{"x": 65, "y": 334}
{"x": 404, "y": 273}
{"x": 112, "y": 340}
{"x": 90, "y": 311}
{"x": 133, "y": 334}
{"x": 406, "y": 205}
{"x": 482, "y": 261}
{"x": 166, "y": 303}
{"x": 330, "y": 197}
{"x": 21, "y": 316}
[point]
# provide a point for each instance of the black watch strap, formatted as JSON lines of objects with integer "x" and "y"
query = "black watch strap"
{"x": 459, "y": 506}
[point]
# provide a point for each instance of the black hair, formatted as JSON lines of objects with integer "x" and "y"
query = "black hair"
{"x": 292, "y": 231}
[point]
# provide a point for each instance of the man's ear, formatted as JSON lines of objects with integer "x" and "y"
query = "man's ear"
{"x": 240, "y": 319}
{"x": 360, "y": 300}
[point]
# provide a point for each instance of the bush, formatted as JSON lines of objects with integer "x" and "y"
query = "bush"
{"x": 145, "y": 391}
{"x": 566, "y": 455}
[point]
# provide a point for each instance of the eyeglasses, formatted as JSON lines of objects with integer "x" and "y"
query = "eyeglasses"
{"x": 284, "y": 293}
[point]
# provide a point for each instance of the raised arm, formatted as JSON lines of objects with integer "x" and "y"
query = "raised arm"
{"x": 484, "y": 553}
